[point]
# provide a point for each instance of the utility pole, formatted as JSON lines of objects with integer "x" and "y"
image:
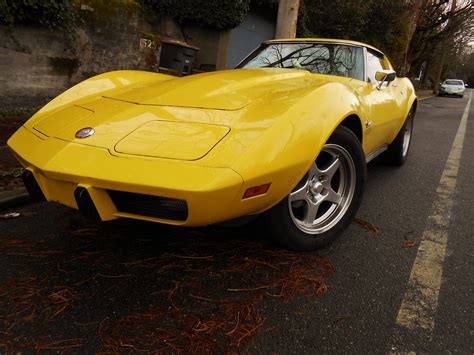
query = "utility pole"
{"x": 287, "y": 18}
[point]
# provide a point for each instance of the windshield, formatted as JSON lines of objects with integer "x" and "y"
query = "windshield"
{"x": 454, "y": 82}
{"x": 317, "y": 58}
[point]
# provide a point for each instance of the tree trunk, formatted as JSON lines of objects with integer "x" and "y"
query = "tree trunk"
{"x": 439, "y": 70}
{"x": 287, "y": 18}
{"x": 444, "y": 49}
{"x": 416, "y": 7}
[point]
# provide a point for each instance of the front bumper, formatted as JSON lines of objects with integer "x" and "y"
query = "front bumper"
{"x": 61, "y": 168}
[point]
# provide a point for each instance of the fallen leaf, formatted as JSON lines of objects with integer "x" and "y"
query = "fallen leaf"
{"x": 85, "y": 231}
{"x": 340, "y": 317}
{"x": 366, "y": 225}
{"x": 323, "y": 288}
{"x": 27, "y": 213}
{"x": 407, "y": 243}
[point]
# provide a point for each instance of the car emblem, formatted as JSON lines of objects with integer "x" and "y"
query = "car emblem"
{"x": 85, "y": 132}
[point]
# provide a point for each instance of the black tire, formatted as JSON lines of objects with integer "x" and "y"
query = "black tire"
{"x": 347, "y": 175}
{"x": 397, "y": 153}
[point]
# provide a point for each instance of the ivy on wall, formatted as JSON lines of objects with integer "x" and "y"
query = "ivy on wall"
{"x": 65, "y": 14}
{"x": 219, "y": 14}
{"x": 53, "y": 14}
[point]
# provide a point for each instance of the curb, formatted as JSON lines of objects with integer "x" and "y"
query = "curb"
{"x": 426, "y": 98}
{"x": 13, "y": 198}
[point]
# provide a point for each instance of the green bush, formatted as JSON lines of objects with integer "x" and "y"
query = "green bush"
{"x": 219, "y": 14}
{"x": 64, "y": 14}
{"x": 53, "y": 14}
{"x": 382, "y": 23}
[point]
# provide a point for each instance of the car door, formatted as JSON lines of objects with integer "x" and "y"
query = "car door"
{"x": 382, "y": 106}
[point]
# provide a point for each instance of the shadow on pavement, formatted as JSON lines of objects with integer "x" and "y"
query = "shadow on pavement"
{"x": 69, "y": 284}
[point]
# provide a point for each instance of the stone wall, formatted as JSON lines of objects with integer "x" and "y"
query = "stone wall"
{"x": 36, "y": 63}
{"x": 111, "y": 41}
{"x": 33, "y": 62}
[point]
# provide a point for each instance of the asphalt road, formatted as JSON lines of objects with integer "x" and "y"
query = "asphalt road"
{"x": 67, "y": 284}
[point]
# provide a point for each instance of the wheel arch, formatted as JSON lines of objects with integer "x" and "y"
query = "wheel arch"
{"x": 354, "y": 123}
{"x": 411, "y": 100}
{"x": 414, "y": 105}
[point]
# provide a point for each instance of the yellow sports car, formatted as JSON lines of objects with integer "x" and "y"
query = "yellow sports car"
{"x": 287, "y": 134}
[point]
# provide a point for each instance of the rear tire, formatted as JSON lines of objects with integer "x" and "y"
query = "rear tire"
{"x": 397, "y": 152}
{"x": 326, "y": 200}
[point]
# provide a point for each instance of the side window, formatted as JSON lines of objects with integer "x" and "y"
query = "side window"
{"x": 374, "y": 64}
{"x": 348, "y": 61}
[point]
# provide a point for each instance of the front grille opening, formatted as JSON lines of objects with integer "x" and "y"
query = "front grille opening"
{"x": 150, "y": 206}
{"x": 85, "y": 204}
{"x": 32, "y": 186}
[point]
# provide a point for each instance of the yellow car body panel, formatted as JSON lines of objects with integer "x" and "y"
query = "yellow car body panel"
{"x": 203, "y": 139}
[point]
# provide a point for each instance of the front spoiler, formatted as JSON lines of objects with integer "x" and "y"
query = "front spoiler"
{"x": 60, "y": 167}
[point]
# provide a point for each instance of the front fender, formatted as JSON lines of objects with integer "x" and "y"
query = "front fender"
{"x": 284, "y": 153}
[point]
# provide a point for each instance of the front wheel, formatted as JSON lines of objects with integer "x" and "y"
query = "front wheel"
{"x": 325, "y": 201}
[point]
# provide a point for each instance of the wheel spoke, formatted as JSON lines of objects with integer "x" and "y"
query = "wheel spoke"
{"x": 311, "y": 212}
{"x": 331, "y": 169}
{"x": 333, "y": 197}
{"x": 313, "y": 170}
{"x": 299, "y": 194}
{"x": 331, "y": 187}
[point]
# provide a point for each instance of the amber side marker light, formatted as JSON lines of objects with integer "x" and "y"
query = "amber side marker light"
{"x": 256, "y": 191}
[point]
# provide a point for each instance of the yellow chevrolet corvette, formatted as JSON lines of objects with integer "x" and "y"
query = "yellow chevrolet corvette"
{"x": 287, "y": 134}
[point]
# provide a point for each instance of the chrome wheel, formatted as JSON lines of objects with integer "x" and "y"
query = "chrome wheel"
{"x": 323, "y": 196}
{"x": 407, "y": 135}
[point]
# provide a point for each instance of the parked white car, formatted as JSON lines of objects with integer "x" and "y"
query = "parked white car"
{"x": 452, "y": 87}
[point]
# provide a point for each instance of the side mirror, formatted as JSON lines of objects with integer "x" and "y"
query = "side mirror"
{"x": 385, "y": 76}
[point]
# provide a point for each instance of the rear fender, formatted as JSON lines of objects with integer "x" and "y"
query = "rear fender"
{"x": 410, "y": 102}
{"x": 410, "y": 95}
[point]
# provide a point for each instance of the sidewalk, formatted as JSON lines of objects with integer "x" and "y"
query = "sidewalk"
{"x": 13, "y": 198}
{"x": 424, "y": 94}
{"x": 12, "y": 191}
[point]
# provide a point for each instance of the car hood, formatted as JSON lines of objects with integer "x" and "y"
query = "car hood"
{"x": 222, "y": 90}
{"x": 183, "y": 118}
